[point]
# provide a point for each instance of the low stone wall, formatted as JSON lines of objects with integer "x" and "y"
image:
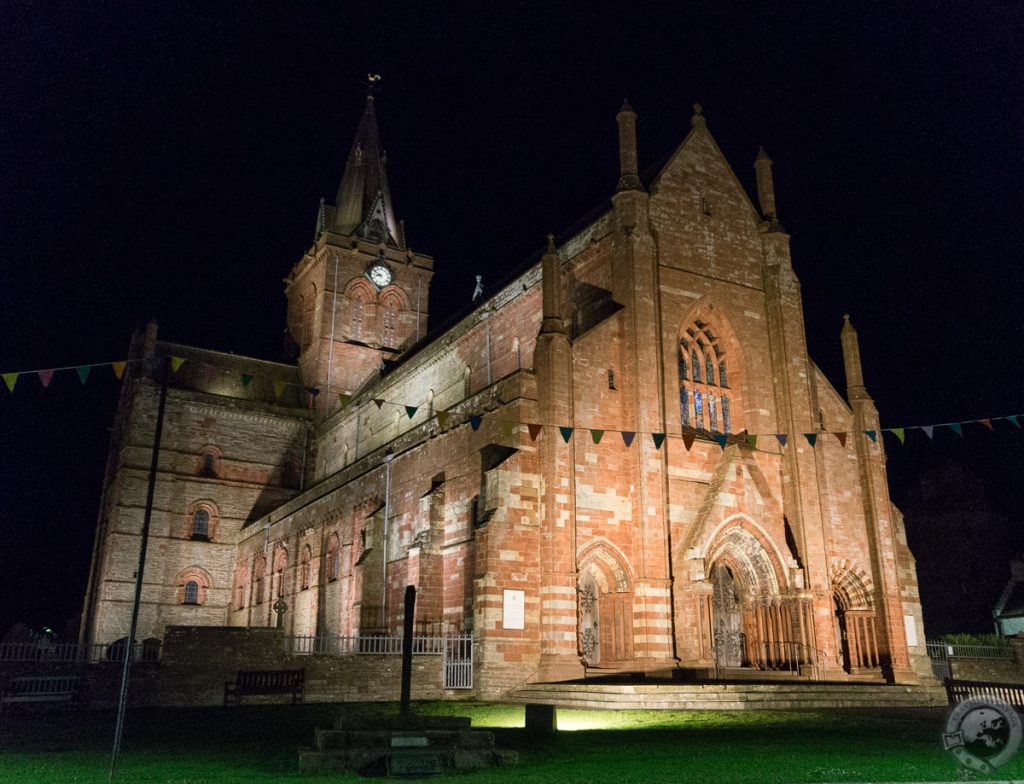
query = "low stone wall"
{"x": 197, "y": 660}
{"x": 992, "y": 670}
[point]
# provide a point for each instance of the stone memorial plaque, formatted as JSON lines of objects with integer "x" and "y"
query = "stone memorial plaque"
{"x": 413, "y": 763}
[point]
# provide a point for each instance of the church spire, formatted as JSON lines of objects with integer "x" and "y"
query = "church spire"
{"x": 364, "y": 201}
{"x": 855, "y": 389}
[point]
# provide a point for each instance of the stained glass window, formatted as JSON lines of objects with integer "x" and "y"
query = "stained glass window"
{"x": 726, "y": 420}
{"x": 723, "y": 379}
{"x": 695, "y": 364}
{"x": 700, "y": 351}
{"x": 712, "y": 412}
{"x": 698, "y": 409}
{"x": 191, "y": 592}
{"x": 709, "y": 369}
{"x": 684, "y": 405}
{"x": 682, "y": 366}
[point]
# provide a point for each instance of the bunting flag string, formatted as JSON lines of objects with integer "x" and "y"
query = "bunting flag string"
{"x": 689, "y": 435}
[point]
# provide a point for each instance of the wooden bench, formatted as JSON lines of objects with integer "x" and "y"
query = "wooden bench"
{"x": 250, "y": 682}
{"x": 40, "y": 688}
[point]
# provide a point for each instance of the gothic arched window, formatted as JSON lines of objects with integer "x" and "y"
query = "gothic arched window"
{"x": 332, "y": 558}
{"x": 258, "y": 570}
{"x": 703, "y": 404}
{"x": 358, "y": 314}
{"x": 304, "y": 568}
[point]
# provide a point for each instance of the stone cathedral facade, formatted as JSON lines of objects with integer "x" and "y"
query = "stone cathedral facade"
{"x": 718, "y": 505}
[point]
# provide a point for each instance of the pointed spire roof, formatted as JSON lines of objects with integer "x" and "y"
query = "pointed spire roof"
{"x": 364, "y": 201}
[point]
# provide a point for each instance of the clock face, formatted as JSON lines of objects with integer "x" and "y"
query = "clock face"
{"x": 379, "y": 274}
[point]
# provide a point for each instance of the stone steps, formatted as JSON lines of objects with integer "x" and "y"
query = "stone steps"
{"x": 730, "y": 696}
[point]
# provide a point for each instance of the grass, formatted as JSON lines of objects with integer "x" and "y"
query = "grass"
{"x": 258, "y": 745}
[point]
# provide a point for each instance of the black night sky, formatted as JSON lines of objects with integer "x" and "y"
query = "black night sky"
{"x": 165, "y": 161}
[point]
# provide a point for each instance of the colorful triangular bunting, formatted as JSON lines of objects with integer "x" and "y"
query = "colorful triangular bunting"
{"x": 344, "y": 399}
{"x": 278, "y": 387}
{"x": 1015, "y": 420}
{"x": 899, "y": 432}
{"x": 627, "y": 438}
{"x": 688, "y": 438}
{"x": 659, "y": 439}
{"x": 929, "y": 430}
{"x": 987, "y": 423}
{"x": 957, "y": 428}
{"x": 10, "y": 379}
{"x": 176, "y": 363}
{"x": 209, "y": 373}
{"x": 566, "y": 433}
{"x": 872, "y": 434}
{"x": 118, "y": 368}
{"x": 534, "y": 430}
{"x": 442, "y": 419}
{"x": 508, "y": 427}
{"x": 475, "y": 420}
{"x": 44, "y": 377}
{"x": 411, "y": 411}
{"x": 597, "y": 435}
{"x": 811, "y": 438}
{"x": 380, "y": 402}
{"x": 721, "y": 439}
{"x": 83, "y": 372}
{"x": 751, "y": 440}
{"x": 842, "y": 439}
{"x": 246, "y": 379}
{"x": 782, "y": 438}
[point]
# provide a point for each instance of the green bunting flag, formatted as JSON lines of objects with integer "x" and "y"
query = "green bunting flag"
{"x": 474, "y": 422}
{"x": 83, "y": 372}
{"x": 118, "y": 368}
{"x": 751, "y": 441}
{"x": 44, "y": 377}
{"x": 534, "y": 430}
{"x": 566, "y": 433}
{"x": 442, "y": 419}
{"x": 929, "y": 430}
{"x": 10, "y": 379}
{"x": 1015, "y": 420}
{"x": 899, "y": 432}
{"x": 344, "y": 399}
{"x": 957, "y": 428}
{"x": 176, "y": 363}
{"x": 597, "y": 435}
{"x": 278, "y": 387}
{"x": 688, "y": 439}
{"x": 872, "y": 434}
{"x": 627, "y": 438}
{"x": 811, "y": 438}
{"x": 246, "y": 379}
{"x": 782, "y": 438}
{"x": 721, "y": 439}
{"x": 659, "y": 439}
{"x": 411, "y": 411}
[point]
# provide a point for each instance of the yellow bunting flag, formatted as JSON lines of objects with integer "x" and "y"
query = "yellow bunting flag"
{"x": 118, "y": 368}
{"x": 751, "y": 441}
{"x": 278, "y": 387}
{"x": 10, "y": 379}
{"x": 442, "y": 419}
{"x": 900, "y": 433}
{"x": 176, "y": 362}
{"x": 44, "y": 377}
{"x": 344, "y": 399}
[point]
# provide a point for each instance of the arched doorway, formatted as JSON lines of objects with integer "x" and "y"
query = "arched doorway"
{"x": 727, "y": 618}
{"x": 605, "y": 611}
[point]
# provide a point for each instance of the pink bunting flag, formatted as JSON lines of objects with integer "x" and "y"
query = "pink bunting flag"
{"x": 10, "y": 379}
{"x": 987, "y": 423}
{"x": 118, "y": 368}
{"x": 44, "y": 377}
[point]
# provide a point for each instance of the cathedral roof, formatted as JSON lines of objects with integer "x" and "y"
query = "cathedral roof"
{"x": 364, "y": 200}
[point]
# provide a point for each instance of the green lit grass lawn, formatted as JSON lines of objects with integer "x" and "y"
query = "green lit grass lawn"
{"x": 259, "y": 745}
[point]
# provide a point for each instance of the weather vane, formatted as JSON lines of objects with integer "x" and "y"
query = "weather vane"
{"x": 371, "y": 82}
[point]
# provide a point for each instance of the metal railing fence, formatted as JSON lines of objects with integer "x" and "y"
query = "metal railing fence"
{"x": 941, "y": 651}
{"x": 75, "y": 653}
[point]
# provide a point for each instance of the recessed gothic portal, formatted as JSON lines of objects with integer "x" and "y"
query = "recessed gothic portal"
{"x": 728, "y": 620}
{"x": 605, "y": 617}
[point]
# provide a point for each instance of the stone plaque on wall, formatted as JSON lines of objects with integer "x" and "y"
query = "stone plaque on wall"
{"x": 513, "y": 609}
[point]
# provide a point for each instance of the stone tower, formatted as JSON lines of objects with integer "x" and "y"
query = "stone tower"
{"x": 358, "y": 297}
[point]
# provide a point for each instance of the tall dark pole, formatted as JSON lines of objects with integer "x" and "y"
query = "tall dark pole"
{"x": 410, "y": 608}
{"x": 143, "y": 537}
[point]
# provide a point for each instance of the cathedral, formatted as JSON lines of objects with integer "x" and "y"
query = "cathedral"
{"x": 624, "y": 460}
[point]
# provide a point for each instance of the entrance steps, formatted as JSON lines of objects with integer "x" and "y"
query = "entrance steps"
{"x": 792, "y": 695}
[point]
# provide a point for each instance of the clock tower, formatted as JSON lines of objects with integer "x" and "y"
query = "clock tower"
{"x": 358, "y": 297}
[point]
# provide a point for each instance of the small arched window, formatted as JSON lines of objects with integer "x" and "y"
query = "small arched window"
{"x": 304, "y": 568}
{"x": 358, "y": 314}
{"x": 611, "y": 377}
{"x": 709, "y": 369}
{"x": 208, "y": 465}
{"x": 191, "y": 592}
{"x": 695, "y": 364}
{"x": 390, "y": 321}
{"x": 258, "y": 570}
{"x": 332, "y": 558}
{"x": 201, "y": 525}
{"x": 723, "y": 378}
